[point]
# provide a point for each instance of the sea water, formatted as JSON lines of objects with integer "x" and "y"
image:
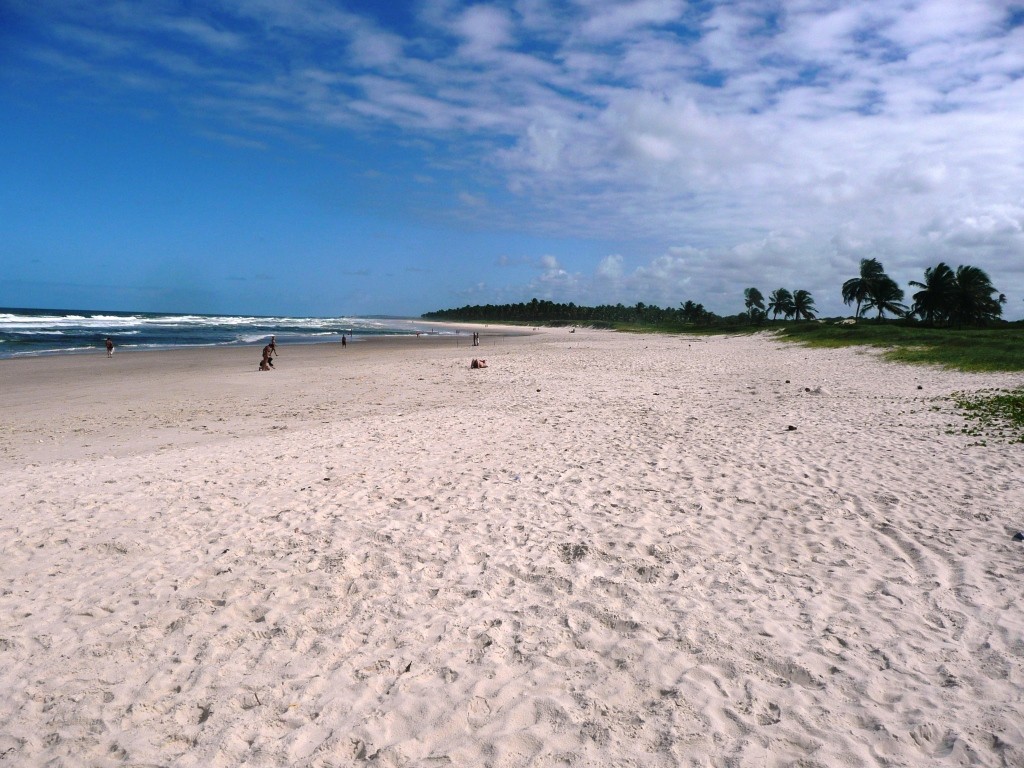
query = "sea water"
{"x": 58, "y": 331}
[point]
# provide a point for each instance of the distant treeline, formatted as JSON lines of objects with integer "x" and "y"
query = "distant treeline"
{"x": 552, "y": 313}
{"x": 962, "y": 298}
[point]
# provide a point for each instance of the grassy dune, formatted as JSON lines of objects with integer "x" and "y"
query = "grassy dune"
{"x": 984, "y": 349}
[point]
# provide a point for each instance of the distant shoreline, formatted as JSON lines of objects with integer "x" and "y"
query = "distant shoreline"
{"x": 230, "y": 353}
{"x": 49, "y": 333}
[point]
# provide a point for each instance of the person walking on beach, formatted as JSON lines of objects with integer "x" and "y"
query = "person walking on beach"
{"x": 110, "y": 347}
{"x": 343, "y": 342}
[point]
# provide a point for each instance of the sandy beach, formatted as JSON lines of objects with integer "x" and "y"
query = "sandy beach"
{"x": 601, "y": 550}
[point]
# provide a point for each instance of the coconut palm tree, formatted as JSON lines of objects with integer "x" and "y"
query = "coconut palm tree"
{"x": 859, "y": 288}
{"x": 933, "y": 301}
{"x": 753, "y": 300}
{"x": 780, "y": 300}
{"x": 973, "y": 303}
{"x": 885, "y": 296}
{"x": 803, "y": 305}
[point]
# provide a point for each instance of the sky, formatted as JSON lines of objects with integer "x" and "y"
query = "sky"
{"x": 318, "y": 158}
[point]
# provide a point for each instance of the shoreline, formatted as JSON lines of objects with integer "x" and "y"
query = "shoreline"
{"x": 493, "y": 330}
{"x": 177, "y": 380}
{"x": 603, "y": 549}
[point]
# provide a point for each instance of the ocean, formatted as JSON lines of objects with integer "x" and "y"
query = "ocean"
{"x": 30, "y": 332}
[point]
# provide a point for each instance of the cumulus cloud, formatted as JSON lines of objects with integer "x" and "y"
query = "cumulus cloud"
{"x": 610, "y": 267}
{"x": 786, "y": 140}
{"x": 484, "y": 30}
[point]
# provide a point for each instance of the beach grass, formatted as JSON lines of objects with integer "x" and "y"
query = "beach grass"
{"x": 993, "y": 414}
{"x": 996, "y": 415}
{"x": 978, "y": 350}
{"x": 972, "y": 350}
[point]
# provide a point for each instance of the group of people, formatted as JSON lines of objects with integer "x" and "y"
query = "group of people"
{"x": 267, "y": 363}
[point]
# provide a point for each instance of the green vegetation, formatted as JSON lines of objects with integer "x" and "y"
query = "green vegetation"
{"x": 539, "y": 312}
{"x": 957, "y": 299}
{"x": 993, "y": 414}
{"x": 753, "y": 300}
{"x": 873, "y": 289}
{"x": 945, "y": 326}
{"x": 954, "y": 321}
{"x": 947, "y": 298}
{"x": 687, "y": 316}
{"x": 780, "y": 301}
{"x": 803, "y": 305}
{"x": 976, "y": 349}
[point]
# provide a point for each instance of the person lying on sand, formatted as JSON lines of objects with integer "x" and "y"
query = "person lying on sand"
{"x": 478, "y": 363}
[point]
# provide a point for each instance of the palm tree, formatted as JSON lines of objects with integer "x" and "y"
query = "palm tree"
{"x": 885, "y": 296}
{"x": 753, "y": 301}
{"x": 693, "y": 313}
{"x": 972, "y": 300}
{"x": 859, "y": 288}
{"x": 933, "y": 301}
{"x": 780, "y": 300}
{"x": 803, "y": 305}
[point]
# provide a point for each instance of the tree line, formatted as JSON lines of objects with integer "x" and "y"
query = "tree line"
{"x": 962, "y": 298}
{"x": 946, "y": 298}
{"x": 542, "y": 311}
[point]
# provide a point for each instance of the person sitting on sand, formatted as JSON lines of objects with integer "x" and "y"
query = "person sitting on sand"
{"x": 478, "y": 363}
{"x": 266, "y": 363}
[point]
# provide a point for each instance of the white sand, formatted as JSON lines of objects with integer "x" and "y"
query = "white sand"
{"x": 603, "y": 550}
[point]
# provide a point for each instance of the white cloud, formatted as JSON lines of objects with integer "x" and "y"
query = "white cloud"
{"x": 610, "y": 267}
{"x": 204, "y": 33}
{"x": 787, "y": 139}
{"x": 944, "y": 20}
{"x": 613, "y": 20}
{"x": 372, "y": 48}
{"x": 485, "y": 29}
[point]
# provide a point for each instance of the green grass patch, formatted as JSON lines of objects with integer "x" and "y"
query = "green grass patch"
{"x": 996, "y": 414}
{"x": 983, "y": 349}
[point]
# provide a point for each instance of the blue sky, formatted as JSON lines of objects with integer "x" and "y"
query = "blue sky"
{"x": 325, "y": 158}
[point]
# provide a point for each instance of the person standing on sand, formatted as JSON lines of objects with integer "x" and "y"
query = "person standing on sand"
{"x": 110, "y": 347}
{"x": 343, "y": 342}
